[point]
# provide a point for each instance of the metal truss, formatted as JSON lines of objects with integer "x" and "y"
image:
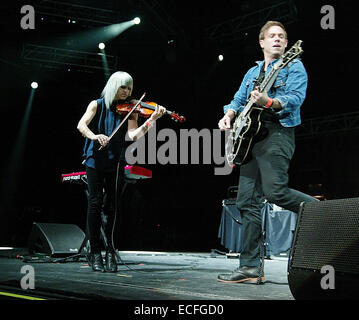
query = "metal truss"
{"x": 61, "y": 12}
{"x": 57, "y": 58}
{"x": 335, "y": 123}
{"x": 236, "y": 28}
{"x": 161, "y": 19}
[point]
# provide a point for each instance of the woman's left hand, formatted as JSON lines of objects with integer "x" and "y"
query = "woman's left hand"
{"x": 159, "y": 112}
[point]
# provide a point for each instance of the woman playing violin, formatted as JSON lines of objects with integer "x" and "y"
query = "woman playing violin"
{"x": 96, "y": 125}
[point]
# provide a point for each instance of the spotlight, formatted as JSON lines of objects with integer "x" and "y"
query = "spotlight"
{"x": 101, "y": 46}
{"x": 220, "y": 57}
{"x": 34, "y": 85}
{"x": 137, "y": 20}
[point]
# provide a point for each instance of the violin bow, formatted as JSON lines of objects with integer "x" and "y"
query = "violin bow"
{"x": 123, "y": 121}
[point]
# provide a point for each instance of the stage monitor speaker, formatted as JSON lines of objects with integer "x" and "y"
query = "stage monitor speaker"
{"x": 324, "y": 259}
{"x": 55, "y": 239}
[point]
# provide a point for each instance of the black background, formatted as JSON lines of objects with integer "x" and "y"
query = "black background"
{"x": 180, "y": 207}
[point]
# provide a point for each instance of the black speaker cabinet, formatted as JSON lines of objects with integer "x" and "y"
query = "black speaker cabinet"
{"x": 55, "y": 239}
{"x": 324, "y": 259}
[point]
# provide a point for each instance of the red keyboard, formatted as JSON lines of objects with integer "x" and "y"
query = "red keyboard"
{"x": 131, "y": 172}
{"x": 135, "y": 172}
{"x": 76, "y": 177}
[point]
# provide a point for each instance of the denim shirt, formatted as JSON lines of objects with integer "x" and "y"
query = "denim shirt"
{"x": 289, "y": 89}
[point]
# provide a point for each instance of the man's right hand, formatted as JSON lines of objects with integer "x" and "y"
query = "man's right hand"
{"x": 225, "y": 122}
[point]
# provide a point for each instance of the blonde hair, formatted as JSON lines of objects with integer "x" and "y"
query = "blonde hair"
{"x": 117, "y": 79}
{"x": 269, "y": 24}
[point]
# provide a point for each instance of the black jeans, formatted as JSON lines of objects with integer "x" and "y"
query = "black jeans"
{"x": 266, "y": 177}
{"x": 99, "y": 184}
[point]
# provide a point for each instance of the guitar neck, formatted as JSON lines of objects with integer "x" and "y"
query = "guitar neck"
{"x": 264, "y": 87}
{"x": 269, "y": 80}
{"x": 247, "y": 107}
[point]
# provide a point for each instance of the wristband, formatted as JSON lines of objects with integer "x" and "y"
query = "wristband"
{"x": 269, "y": 103}
{"x": 148, "y": 124}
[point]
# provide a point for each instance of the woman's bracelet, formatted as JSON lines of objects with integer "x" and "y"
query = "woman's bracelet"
{"x": 149, "y": 123}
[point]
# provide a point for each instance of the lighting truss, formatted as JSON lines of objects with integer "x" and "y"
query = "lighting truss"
{"x": 57, "y": 58}
{"x": 235, "y": 28}
{"x": 323, "y": 125}
{"x": 61, "y": 12}
{"x": 160, "y": 19}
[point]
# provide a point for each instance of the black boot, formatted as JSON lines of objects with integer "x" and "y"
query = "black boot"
{"x": 242, "y": 274}
{"x": 96, "y": 262}
{"x": 110, "y": 259}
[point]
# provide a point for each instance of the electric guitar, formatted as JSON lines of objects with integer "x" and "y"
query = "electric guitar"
{"x": 247, "y": 124}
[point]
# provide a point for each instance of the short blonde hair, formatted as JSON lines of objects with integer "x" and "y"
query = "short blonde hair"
{"x": 269, "y": 24}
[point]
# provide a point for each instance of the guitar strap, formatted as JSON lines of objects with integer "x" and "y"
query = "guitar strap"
{"x": 269, "y": 113}
{"x": 260, "y": 78}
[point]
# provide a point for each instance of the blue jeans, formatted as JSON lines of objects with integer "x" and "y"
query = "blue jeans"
{"x": 266, "y": 177}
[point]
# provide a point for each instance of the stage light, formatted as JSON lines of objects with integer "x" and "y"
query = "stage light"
{"x": 101, "y": 46}
{"x": 34, "y": 85}
{"x": 90, "y": 39}
{"x": 220, "y": 57}
{"x": 137, "y": 20}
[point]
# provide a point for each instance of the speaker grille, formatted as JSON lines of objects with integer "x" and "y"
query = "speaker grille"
{"x": 55, "y": 239}
{"x": 328, "y": 234}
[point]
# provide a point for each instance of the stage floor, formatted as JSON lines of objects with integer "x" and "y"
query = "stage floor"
{"x": 146, "y": 276}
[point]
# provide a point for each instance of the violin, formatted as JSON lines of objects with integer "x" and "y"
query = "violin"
{"x": 145, "y": 109}
{"x": 133, "y": 106}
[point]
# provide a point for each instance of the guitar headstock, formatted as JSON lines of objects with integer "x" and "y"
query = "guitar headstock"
{"x": 294, "y": 52}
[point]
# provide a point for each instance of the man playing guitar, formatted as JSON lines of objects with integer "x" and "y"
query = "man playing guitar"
{"x": 266, "y": 172}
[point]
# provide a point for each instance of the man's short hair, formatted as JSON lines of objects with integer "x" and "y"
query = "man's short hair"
{"x": 268, "y": 25}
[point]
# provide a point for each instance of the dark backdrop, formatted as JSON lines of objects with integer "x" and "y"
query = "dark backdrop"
{"x": 180, "y": 207}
